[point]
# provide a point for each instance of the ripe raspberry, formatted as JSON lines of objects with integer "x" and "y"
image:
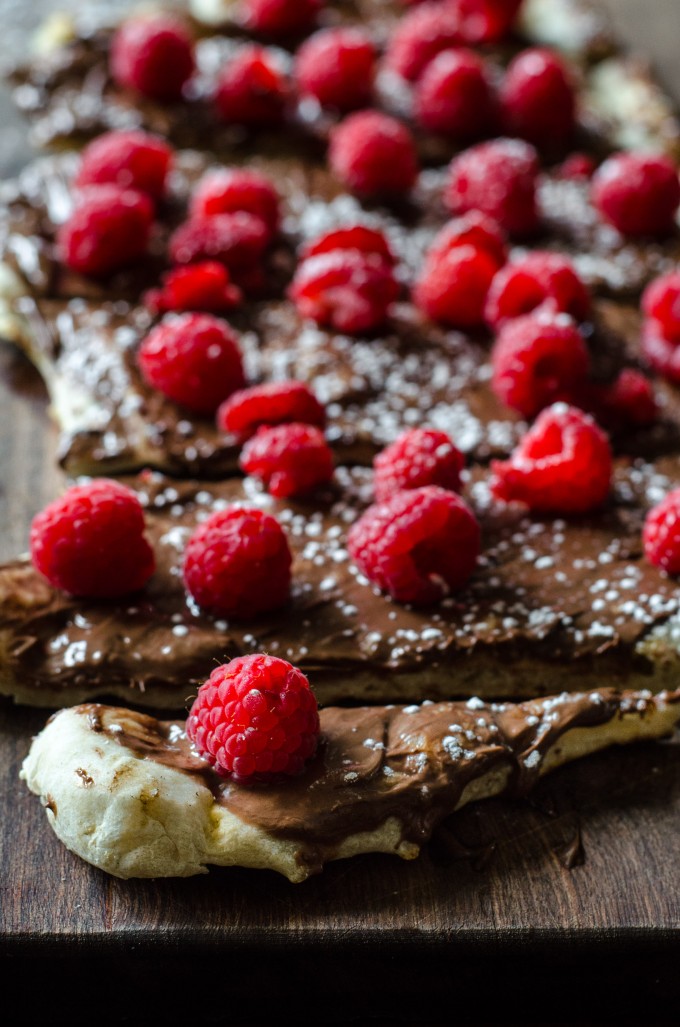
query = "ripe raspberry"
{"x": 373, "y": 154}
{"x": 661, "y": 303}
{"x": 345, "y": 290}
{"x": 280, "y": 17}
{"x": 129, "y": 160}
{"x": 419, "y": 36}
{"x": 420, "y": 456}
{"x": 538, "y": 99}
{"x": 255, "y": 718}
{"x": 108, "y": 229}
{"x": 577, "y": 166}
{"x": 420, "y": 545}
{"x": 291, "y": 459}
{"x": 537, "y": 360}
{"x": 272, "y": 403}
{"x": 661, "y": 353}
{"x": 90, "y": 541}
{"x": 228, "y": 190}
{"x": 638, "y": 193}
{"x": 453, "y": 286}
{"x": 251, "y": 89}
{"x": 237, "y": 563}
{"x": 563, "y": 464}
{"x": 455, "y": 98}
{"x": 337, "y": 68}
{"x": 193, "y": 359}
{"x": 661, "y": 534}
{"x": 370, "y": 241}
{"x": 498, "y": 179}
{"x": 472, "y": 229}
{"x": 486, "y": 21}
{"x": 629, "y": 400}
{"x": 199, "y": 287}
{"x": 153, "y": 54}
{"x": 237, "y": 240}
{"x": 545, "y": 280}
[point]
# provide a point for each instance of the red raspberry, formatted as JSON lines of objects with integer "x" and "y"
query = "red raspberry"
{"x": 472, "y": 229}
{"x": 486, "y": 21}
{"x": 539, "y": 279}
{"x": 452, "y": 287}
{"x": 130, "y": 160}
{"x": 454, "y": 96}
{"x": 661, "y": 534}
{"x": 228, "y": 190}
{"x": 237, "y": 240}
{"x": 661, "y": 353}
{"x": 420, "y": 545}
{"x": 373, "y": 154}
{"x": 420, "y": 456}
{"x": 337, "y": 68}
{"x": 291, "y": 459}
{"x": 499, "y": 179}
{"x": 108, "y": 229}
{"x": 370, "y": 241}
{"x": 638, "y": 193}
{"x": 629, "y": 400}
{"x": 255, "y": 718}
{"x": 153, "y": 54}
{"x": 237, "y": 563}
{"x": 537, "y": 360}
{"x": 577, "y": 166}
{"x": 90, "y": 541}
{"x": 252, "y": 90}
{"x": 193, "y": 359}
{"x": 344, "y": 290}
{"x": 273, "y": 403}
{"x": 661, "y": 302}
{"x": 280, "y": 17}
{"x": 199, "y": 287}
{"x": 420, "y": 35}
{"x": 563, "y": 464}
{"x": 538, "y": 99}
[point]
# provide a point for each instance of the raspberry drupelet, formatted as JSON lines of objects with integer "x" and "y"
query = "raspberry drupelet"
{"x": 127, "y": 159}
{"x": 638, "y": 193}
{"x": 205, "y": 287}
{"x": 498, "y": 179}
{"x": 420, "y": 456}
{"x": 347, "y": 290}
{"x": 252, "y": 90}
{"x": 269, "y": 404}
{"x": 237, "y": 563}
{"x": 90, "y": 542}
{"x": 419, "y": 546}
{"x": 562, "y": 465}
{"x": 291, "y": 459}
{"x": 254, "y": 719}
{"x": 280, "y": 17}
{"x": 454, "y": 97}
{"x": 337, "y": 67}
{"x": 661, "y": 533}
{"x": 108, "y": 229}
{"x": 154, "y": 55}
{"x": 228, "y": 190}
{"x": 538, "y": 99}
{"x": 373, "y": 154}
{"x": 545, "y": 280}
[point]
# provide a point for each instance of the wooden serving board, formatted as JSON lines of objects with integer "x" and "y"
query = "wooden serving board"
{"x": 562, "y": 909}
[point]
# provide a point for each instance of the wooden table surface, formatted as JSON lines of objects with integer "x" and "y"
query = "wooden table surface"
{"x": 509, "y": 935}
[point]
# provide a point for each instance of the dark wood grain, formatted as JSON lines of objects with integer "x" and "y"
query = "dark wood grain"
{"x": 507, "y": 935}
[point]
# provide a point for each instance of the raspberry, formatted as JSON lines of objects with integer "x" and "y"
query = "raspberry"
{"x": 291, "y": 459}
{"x": 497, "y": 178}
{"x": 199, "y": 287}
{"x": 577, "y": 166}
{"x": 562, "y": 465}
{"x": 661, "y": 302}
{"x": 486, "y": 21}
{"x": 629, "y": 400}
{"x": 661, "y": 353}
{"x": 638, "y": 193}
{"x": 237, "y": 240}
{"x": 255, "y": 718}
{"x": 476, "y": 230}
{"x": 237, "y": 563}
{"x": 154, "y": 55}
{"x": 538, "y": 99}
{"x": 537, "y": 280}
{"x": 661, "y": 533}
{"x": 420, "y": 545}
{"x": 280, "y": 17}
{"x": 370, "y": 241}
{"x": 345, "y": 290}
{"x": 419, "y": 456}
{"x": 193, "y": 359}
{"x": 251, "y": 89}
{"x": 454, "y": 96}
{"x": 108, "y": 229}
{"x": 373, "y": 154}
{"x": 130, "y": 160}
{"x": 228, "y": 190}
{"x": 453, "y": 285}
{"x": 538, "y": 360}
{"x": 273, "y": 403}
{"x": 90, "y": 541}
{"x": 337, "y": 68}
{"x": 420, "y": 36}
